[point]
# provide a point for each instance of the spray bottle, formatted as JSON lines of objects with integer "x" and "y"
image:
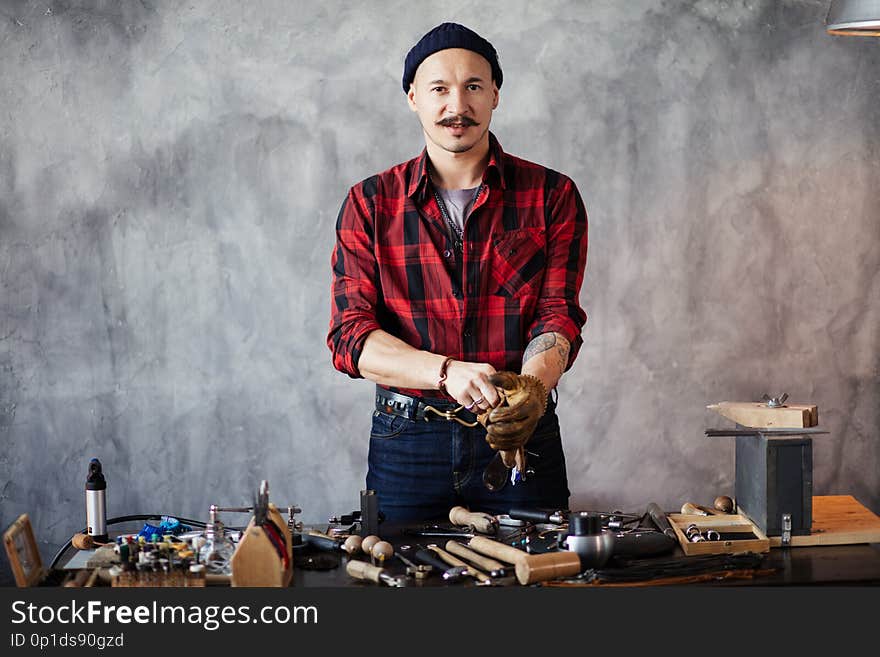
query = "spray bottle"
{"x": 96, "y": 503}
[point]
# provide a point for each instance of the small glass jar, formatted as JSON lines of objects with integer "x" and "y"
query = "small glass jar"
{"x": 196, "y": 575}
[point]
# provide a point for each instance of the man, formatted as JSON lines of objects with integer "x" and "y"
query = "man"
{"x": 456, "y": 278}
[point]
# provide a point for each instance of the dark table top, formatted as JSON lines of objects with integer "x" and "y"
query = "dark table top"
{"x": 847, "y": 565}
{"x": 857, "y": 564}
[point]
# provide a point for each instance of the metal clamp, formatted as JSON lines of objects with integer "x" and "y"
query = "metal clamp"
{"x": 786, "y": 529}
{"x": 450, "y": 415}
{"x": 775, "y": 402}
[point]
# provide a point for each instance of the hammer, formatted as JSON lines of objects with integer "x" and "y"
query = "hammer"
{"x": 530, "y": 568}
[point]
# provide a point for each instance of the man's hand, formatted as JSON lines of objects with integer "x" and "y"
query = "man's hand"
{"x": 470, "y": 385}
{"x": 510, "y": 425}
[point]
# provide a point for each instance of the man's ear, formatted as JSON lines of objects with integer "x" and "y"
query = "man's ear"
{"x": 410, "y": 97}
{"x": 496, "y": 95}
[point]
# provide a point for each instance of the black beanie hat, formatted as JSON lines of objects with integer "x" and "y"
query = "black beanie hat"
{"x": 449, "y": 35}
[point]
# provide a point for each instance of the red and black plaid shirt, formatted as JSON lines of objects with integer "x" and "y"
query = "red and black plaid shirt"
{"x": 518, "y": 273}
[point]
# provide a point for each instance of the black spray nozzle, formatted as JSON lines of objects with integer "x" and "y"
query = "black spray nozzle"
{"x": 95, "y": 480}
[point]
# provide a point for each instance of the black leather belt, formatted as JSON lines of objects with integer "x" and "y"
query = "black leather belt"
{"x": 417, "y": 409}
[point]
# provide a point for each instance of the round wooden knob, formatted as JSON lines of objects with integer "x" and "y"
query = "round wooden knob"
{"x": 83, "y": 542}
{"x": 352, "y": 544}
{"x": 368, "y": 543}
{"x": 382, "y": 550}
{"x": 724, "y": 504}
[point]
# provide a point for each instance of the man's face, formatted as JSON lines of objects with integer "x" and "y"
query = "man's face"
{"x": 453, "y": 94}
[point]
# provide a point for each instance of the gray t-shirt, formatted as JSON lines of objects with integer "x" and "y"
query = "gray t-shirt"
{"x": 458, "y": 203}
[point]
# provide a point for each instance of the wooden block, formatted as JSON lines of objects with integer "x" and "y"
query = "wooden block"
{"x": 837, "y": 520}
{"x": 760, "y": 416}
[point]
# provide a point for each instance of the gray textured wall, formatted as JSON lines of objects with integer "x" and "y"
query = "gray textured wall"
{"x": 170, "y": 174}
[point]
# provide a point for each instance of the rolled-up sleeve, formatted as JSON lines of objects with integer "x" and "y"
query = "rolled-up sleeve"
{"x": 558, "y": 309}
{"x": 354, "y": 284}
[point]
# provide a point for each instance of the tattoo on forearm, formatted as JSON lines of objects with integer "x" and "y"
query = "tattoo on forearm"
{"x": 547, "y": 341}
{"x": 540, "y": 344}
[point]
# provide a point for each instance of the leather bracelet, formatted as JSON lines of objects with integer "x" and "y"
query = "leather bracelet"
{"x": 441, "y": 384}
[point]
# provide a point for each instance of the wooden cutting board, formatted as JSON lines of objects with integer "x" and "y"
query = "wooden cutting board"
{"x": 837, "y": 520}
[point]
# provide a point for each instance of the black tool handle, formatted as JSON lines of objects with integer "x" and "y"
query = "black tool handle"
{"x": 430, "y": 558}
{"x": 322, "y": 542}
{"x": 535, "y": 515}
{"x": 642, "y": 544}
{"x": 658, "y": 516}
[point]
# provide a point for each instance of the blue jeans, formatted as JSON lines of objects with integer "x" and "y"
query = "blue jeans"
{"x": 420, "y": 470}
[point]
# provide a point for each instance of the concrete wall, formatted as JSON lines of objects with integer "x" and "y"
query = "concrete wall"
{"x": 170, "y": 175}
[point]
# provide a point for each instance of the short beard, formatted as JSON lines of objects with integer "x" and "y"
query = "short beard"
{"x": 459, "y": 147}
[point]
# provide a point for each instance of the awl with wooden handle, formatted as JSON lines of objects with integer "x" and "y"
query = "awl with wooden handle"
{"x": 484, "y": 523}
{"x": 365, "y": 571}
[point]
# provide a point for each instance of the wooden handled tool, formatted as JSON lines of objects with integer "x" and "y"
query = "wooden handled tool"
{"x": 381, "y": 551}
{"x": 494, "y": 568}
{"x": 530, "y": 568}
{"x": 368, "y": 542}
{"x": 691, "y": 509}
{"x": 452, "y": 560}
{"x": 365, "y": 571}
{"x": 481, "y": 522}
{"x": 550, "y": 565}
{"x": 500, "y": 551}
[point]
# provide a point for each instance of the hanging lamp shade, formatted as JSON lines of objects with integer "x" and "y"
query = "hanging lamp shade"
{"x": 854, "y": 18}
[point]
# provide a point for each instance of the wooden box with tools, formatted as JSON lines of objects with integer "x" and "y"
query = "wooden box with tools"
{"x": 264, "y": 555}
{"x": 720, "y": 534}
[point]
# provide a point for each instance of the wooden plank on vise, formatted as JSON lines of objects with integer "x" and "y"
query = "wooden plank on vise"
{"x": 759, "y": 415}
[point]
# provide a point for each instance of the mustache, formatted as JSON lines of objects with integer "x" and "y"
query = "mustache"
{"x": 457, "y": 119}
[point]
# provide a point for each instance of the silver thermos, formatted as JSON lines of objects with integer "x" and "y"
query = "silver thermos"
{"x": 96, "y": 502}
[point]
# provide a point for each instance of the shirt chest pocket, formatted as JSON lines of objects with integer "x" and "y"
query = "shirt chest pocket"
{"x": 517, "y": 262}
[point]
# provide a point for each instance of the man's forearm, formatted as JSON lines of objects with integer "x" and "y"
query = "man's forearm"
{"x": 546, "y": 357}
{"x": 390, "y": 361}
